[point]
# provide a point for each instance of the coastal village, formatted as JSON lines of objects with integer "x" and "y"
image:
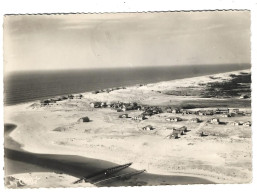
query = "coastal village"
{"x": 119, "y": 99}
{"x": 163, "y": 134}
{"x": 212, "y": 116}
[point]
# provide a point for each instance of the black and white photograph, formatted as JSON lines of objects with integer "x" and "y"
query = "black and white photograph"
{"x": 127, "y": 99}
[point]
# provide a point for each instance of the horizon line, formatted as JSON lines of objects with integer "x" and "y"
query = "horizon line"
{"x": 126, "y": 67}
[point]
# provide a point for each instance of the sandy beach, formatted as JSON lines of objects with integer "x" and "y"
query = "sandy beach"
{"x": 224, "y": 156}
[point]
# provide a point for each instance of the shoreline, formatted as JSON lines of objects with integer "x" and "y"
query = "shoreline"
{"x": 20, "y": 155}
{"x": 46, "y": 132}
{"x": 127, "y": 86}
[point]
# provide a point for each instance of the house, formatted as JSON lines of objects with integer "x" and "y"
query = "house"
{"x": 56, "y": 99}
{"x": 71, "y": 96}
{"x": 103, "y": 104}
{"x": 134, "y": 104}
{"x": 209, "y": 112}
{"x": 84, "y": 119}
{"x": 244, "y": 96}
{"x": 186, "y": 112}
{"x": 179, "y": 131}
{"x": 148, "y": 113}
{"x": 123, "y": 116}
{"x": 79, "y": 96}
{"x": 235, "y": 123}
{"x": 156, "y": 110}
{"x": 248, "y": 123}
{"x": 52, "y": 100}
{"x": 169, "y": 110}
{"x": 175, "y": 135}
{"x": 184, "y": 129}
{"x": 95, "y": 92}
{"x": 247, "y": 113}
{"x": 195, "y": 120}
{"x": 139, "y": 108}
{"x": 203, "y": 134}
{"x": 108, "y": 104}
{"x": 175, "y": 111}
{"x": 176, "y": 132}
{"x": 200, "y": 113}
{"x": 64, "y": 97}
{"x": 215, "y": 121}
{"x": 130, "y": 107}
{"x": 225, "y": 115}
{"x": 140, "y": 117}
{"x": 148, "y": 128}
{"x": 240, "y": 113}
{"x": 108, "y": 90}
{"x": 205, "y": 112}
{"x": 222, "y": 110}
{"x": 45, "y": 102}
{"x": 234, "y": 110}
{"x": 95, "y": 104}
{"x": 174, "y": 119}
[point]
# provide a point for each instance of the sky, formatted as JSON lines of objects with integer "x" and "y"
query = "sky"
{"x": 75, "y": 41}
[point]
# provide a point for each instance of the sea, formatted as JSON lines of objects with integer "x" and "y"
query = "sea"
{"x": 21, "y": 87}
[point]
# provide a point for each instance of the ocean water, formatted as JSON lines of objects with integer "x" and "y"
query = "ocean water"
{"x": 20, "y": 87}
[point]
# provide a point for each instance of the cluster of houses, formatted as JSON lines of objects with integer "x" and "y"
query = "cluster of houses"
{"x": 107, "y": 90}
{"x": 235, "y": 123}
{"x": 118, "y": 106}
{"x": 122, "y": 107}
{"x": 177, "y": 132}
{"x": 147, "y": 112}
{"x": 152, "y": 110}
{"x": 60, "y": 98}
{"x": 223, "y": 112}
{"x": 177, "y": 119}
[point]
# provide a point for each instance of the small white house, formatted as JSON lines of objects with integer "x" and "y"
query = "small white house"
{"x": 234, "y": 110}
{"x": 195, "y": 120}
{"x": 215, "y": 121}
{"x": 148, "y": 128}
{"x": 248, "y": 123}
{"x": 103, "y": 104}
{"x": 84, "y": 119}
{"x": 175, "y": 111}
{"x": 95, "y": 104}
{"x": 123, "y": 116}
{"x": 235, "y": 123}
{"x": 139, "y": 117}
{"x": 244, "y": 97}
{"x": 225, "y": 115}
{"x": 174, "y": 119}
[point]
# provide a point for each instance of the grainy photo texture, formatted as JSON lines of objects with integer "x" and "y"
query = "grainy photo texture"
{"x": 127, "y": 99}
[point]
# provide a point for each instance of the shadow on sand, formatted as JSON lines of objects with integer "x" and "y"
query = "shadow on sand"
{"x": 79, "y": 166}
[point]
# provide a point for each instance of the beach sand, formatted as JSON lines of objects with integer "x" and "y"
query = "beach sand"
{"x": 222, "y": 158}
